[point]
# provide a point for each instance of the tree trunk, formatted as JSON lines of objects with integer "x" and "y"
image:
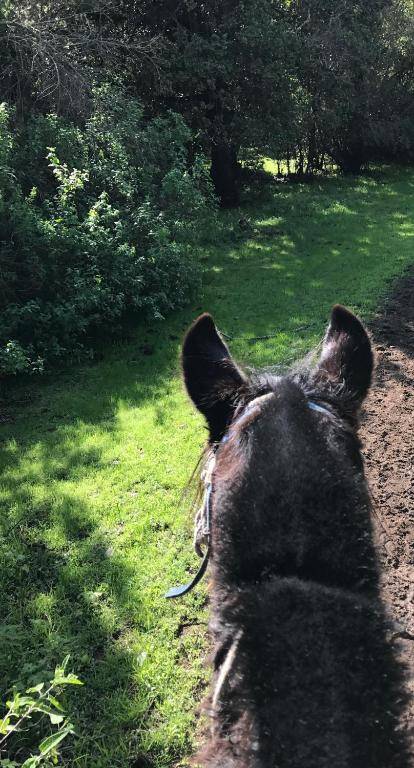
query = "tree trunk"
{"x": 225, "y": 173}
{"x": 312, "y": 162}
{"x": 300, "y": 163}
{"x": 350, "y": 159}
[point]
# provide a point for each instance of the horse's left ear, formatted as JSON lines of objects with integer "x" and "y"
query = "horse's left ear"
{"x": 347, "y": 356}
{"x": 211, "y": 377}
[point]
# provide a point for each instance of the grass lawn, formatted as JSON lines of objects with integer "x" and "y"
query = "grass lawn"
{"x": 92, "y": 531}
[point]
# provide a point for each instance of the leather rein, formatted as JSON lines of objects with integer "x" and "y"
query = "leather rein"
{"x": 205, "y": 515}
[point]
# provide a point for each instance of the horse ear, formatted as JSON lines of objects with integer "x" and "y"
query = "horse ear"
{"x": 212, "y": 379}
{"x": 347, "y": 356}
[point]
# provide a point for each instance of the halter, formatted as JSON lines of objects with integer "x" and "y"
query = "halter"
{"x": 205, "y": 511}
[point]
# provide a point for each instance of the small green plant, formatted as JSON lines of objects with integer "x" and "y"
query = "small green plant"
{"x": 13, "y": 358}
{"x": 26, "y": 710}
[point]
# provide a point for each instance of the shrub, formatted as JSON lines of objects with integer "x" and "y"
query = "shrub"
{"x": 31, "y": 713}
{"x": 95, "y": 223}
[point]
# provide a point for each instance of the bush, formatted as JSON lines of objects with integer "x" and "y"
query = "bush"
{"x": 95, "y": 223}
{"x": 35, "y": 711}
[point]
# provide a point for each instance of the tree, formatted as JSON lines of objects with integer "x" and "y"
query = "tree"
{"x": 226, "y": 66}
{"x": 52, "y": 53}
{"x": 343, "y": 51}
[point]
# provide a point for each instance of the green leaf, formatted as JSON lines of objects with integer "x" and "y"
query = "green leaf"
{"x": 47, "y": 710}
{"x": 60, "y": 671}
{"x": 55, "y": 703}
{"x": 32, "y": 761}
{"x": 36, "y": 688}
{"x": 4, "y": 725}
{"x": 51, "y": 742}
{"x": 70, "y": 679}
{"x": 23, "y": 701}
{"x": 55, "y": 719}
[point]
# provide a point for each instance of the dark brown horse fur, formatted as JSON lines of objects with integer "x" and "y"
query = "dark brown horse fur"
{"x": 304, "y": 675}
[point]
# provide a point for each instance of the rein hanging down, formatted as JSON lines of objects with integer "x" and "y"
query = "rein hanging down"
{"x": 205, "y": 516}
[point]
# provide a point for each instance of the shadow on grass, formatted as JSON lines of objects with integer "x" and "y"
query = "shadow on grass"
{"x": 67, "y": 595}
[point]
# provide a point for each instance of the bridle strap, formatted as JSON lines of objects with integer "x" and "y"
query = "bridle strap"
{"x": 320, "y": 408}
{"x": 184, "y": 588}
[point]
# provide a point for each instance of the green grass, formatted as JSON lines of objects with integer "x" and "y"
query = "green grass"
{"x": 92, "y": 531}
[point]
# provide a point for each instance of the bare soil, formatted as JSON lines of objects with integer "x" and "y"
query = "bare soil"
{"x": 388, "y": 439}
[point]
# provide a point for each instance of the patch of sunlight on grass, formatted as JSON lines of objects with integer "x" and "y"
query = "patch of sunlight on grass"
{"x": 339, "y": 208}
{"x": 270, "y": 166}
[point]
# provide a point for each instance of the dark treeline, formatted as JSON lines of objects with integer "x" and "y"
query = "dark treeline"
{"x": 306, "y": 81}
{"x": 113, "y": 112}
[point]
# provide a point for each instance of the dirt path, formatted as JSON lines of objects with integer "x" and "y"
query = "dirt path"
{"x": 388, "y": 438}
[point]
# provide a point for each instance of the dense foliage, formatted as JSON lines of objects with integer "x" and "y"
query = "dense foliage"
{"x": 313, "y": 82}
{"x": 230, "y": 69}
{"x": 356, "y": 72}
{"x": 94, "y": 222}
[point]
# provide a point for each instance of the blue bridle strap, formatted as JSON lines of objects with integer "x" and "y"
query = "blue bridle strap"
{"x": 315, "y": 407}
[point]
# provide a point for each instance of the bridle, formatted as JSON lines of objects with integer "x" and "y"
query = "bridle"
{"x": 204, "y": 513}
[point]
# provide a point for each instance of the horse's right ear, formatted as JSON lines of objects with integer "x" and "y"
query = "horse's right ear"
{"x": 347, "y": 358}
{"x": 211, "y": 377}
